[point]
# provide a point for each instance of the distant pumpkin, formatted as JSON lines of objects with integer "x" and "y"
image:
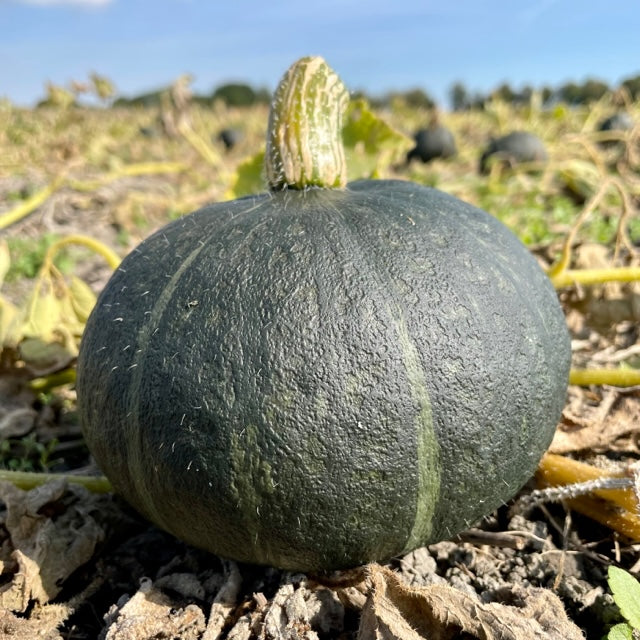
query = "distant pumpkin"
{"x": 433, "y": 142}
{"x": 513, "y": 148}
{"x": 620, "y": 121}
{"x": 229, "y": 137}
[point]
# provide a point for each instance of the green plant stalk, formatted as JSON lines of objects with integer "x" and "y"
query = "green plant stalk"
{"x": 615, "y": 508}
{"x": 612, "y": 377}
{"x": 30, "y": 204}
{"x": 139, "y": 169}
{"x": 564, "y": 277}
{"x": 27, "y": 480}
{"x": 25, "y": 208}
{"x": 111, "y": 257}
{"x": 200, "y": 145}
{"x": 558, "y": 271}
{"x": 569, "y": 277}
{"x": 146, "y": 168}
{"x": 57, "y": 379}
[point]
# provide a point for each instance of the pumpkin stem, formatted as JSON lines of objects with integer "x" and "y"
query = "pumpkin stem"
{"x": 304, "y": 136}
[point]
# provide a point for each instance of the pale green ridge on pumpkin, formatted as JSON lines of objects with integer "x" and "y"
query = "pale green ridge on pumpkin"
{"x": 251, "y": 479}
{"x": 428, "y": 453}
{"x": 138, "y": 371}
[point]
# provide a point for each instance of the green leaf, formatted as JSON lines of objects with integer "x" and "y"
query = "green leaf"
{"x": 560, "y": 112}
{"x": 8, "y": 315}
{"x": 249, "y": 178}
{"x": 626, "y": 594}
{"x": 82, "y": 298}
{"x": 42, "y": 311}
{"x": 620, "y": 632}
{"x": 8, "y": 311}
{"x": 364, "y": 127}
{"x": 371, "y": 144}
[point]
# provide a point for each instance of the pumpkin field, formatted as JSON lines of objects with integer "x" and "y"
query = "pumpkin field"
{"x": 81, "y": 187}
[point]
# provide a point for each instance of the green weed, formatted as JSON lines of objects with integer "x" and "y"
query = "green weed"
{"x": 27, "y": 256}
{"x": 626, "y": 594}
{"x": 27, "y": 454}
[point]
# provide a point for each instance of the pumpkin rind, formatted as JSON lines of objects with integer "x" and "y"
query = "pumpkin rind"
{"x": 318, "y": 379}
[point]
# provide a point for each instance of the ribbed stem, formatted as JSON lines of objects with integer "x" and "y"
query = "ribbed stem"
{"x": 304, "y": 139}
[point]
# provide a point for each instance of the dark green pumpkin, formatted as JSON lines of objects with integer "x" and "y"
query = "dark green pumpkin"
{"x": 317, "y": 379}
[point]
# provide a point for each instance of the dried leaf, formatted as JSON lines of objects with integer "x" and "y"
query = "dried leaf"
{"x": 184, "y": 585}
{"x": 42, "y": 623}
{"x": 17, "y": 422}
{"x": 151, "y": 614}
{"x": 287, "y": 616}
{"x": 296, "y": 612}
{"x": 246, "y": 628}
{"x": 16, "y": 595}
{"x": 53, "y": 532}
{"x": 598, "y": 428}
{"x": 5, "y": 260}
{"x": 395, "y": 611}
{"x": 604, "y": 313}
{"x": 17, "y": 415}
{"x": 326, "y": 612}
{"x": 225, "y": 602}
{"x": 44, "y": 356}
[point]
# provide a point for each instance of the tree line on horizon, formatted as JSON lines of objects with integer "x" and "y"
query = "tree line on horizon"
{"x": 238, "y": 94}
{"x": 460, "y": 97}
{"x": 571, "y": 93}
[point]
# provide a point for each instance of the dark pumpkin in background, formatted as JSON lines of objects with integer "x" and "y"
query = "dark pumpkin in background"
{"x": 314, "y": 378}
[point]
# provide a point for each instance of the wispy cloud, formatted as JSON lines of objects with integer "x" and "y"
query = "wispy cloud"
{"x": 78, "y": 3}
{"x": 532, "y": 13}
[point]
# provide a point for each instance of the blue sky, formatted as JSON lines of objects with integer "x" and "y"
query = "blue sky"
{"x": 375, "y": 45}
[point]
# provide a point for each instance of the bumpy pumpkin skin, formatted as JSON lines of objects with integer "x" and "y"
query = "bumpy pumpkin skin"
{"x": 314, "y": 380}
